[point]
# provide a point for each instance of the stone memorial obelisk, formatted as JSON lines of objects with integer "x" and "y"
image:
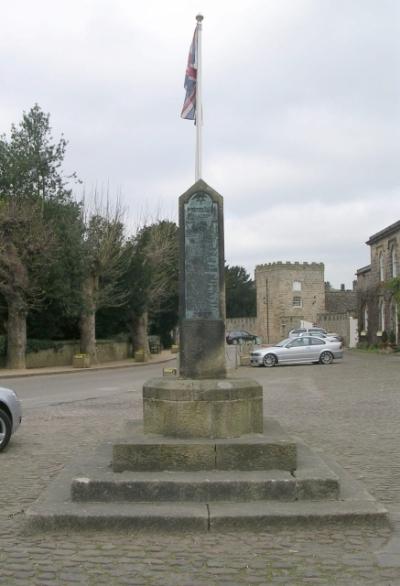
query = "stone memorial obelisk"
{"x": 202, "y": 401}
{"x": 201, "y": 284}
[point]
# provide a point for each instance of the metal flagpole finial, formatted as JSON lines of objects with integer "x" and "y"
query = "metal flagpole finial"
{"x": 199, "y": 18}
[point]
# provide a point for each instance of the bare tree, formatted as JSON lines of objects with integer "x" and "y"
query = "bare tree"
{"x": 105, "y": 262}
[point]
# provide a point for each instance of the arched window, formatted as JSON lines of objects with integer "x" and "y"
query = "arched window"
{"x": 393, "y": 261}
{"x": 381, "y": 267}
{"x": 381, "y": 315}
{"x": 365, "y": 317}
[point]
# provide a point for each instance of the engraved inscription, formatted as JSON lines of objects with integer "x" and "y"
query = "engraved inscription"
{"x": 201, "y": 258}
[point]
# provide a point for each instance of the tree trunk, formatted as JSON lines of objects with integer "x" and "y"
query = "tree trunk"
{"x": 16, "y": 336}
{"x": 139, "y": 334}
{"x": 87, "y": 322}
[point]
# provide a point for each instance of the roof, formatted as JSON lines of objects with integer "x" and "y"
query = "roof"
{"x": 388, "y": 231}
{"x": 363, "y": 270}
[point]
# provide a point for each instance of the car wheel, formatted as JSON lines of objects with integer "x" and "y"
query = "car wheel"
{"x": 269, "y": 360}
{"x": 326, "y": 358}
{"x": 5, "y": 429}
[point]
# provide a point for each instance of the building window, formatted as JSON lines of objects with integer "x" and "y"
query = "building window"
{"x": 296, "y": 285}
{"x": 381, "y": 267}
{"x": 297, "y": 302}
{"x": 381, "y": 315}
{"x": 365, "y": 318}
{"x": 393, "y": 262}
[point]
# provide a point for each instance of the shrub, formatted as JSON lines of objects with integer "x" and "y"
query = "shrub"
{"x": 34, "y": 345}
{"x": 3, "y": 345}
{"x": 362, "y": 345}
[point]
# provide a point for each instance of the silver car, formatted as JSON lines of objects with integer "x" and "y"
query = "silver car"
{"x": 303, "y": 331}
{"x": 298, "y": 351}
{"x": 10, "y": 415}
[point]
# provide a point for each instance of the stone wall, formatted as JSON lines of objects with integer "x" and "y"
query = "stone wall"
{"x": 341, "y": 301}
{"x": 250, "y": 324}
{"x": 106, "y": 352}
{"x": 288, "y": 293}
{"x": 344, "y": 324}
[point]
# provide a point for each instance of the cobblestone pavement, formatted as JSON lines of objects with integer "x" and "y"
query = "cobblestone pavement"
{"x": 350, "y": 410}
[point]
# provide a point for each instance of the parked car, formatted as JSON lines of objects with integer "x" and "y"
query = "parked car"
{"x": 329, "y": 336}
{"x": 239, "y": 336}
{"x": 10, "y": 415}
{"x": 297, "y": 351}
{"x": 313, "y": 330}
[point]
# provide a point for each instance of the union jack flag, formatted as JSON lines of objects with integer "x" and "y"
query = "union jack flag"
{"x": 189, "y": 105}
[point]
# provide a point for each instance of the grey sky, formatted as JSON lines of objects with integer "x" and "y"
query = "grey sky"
{"x": 301, "y": 107}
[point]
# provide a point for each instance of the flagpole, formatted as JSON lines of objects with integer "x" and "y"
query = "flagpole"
{"x": 199, "y": 105}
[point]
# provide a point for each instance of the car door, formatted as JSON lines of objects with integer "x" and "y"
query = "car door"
{"x": 317, "y": 346}
{"x": 294, "y": 352}
{"x": 309, "y": 349}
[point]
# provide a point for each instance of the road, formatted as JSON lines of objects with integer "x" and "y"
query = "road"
{"x": 43, "y": 391}
{"x": 349, "y": 410}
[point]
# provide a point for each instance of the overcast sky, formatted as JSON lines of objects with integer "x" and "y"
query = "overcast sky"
{"x": 301, "y": 111}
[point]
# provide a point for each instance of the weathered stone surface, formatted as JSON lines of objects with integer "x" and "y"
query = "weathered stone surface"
{"x": 202, "y": 408}
{"x": 254, "y": 500}
{"x": 267, "y": 456}
{"x": 201, "y": 283}
{"x": 163, "y": 456}
{"x": 178, "y": 487}
{"x": 315, "y": 480}
{"x": 181, "y": 389}
{"x": 271, "y": 450}
{"x": 202, "y": 344}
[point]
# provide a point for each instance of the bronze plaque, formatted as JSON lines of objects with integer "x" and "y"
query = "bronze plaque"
{"x": 201, "y": 258}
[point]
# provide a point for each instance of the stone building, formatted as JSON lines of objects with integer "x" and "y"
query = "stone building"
{"x": 288, "y": 293}
{"x": 377, "y": 310}
{"x": 341, "y": 300}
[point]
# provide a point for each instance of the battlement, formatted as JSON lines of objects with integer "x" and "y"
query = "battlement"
{"x": 279, "y": 265}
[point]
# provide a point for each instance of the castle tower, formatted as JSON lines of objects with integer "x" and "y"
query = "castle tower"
{"x": 288, "y": 293}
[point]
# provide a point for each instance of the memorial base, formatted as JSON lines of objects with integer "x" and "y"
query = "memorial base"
{"x": 256, "y": 482}
{"x": 206, "y": 408}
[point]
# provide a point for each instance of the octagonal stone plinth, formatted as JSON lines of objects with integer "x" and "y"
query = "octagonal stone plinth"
{"x": 212, "y": 408}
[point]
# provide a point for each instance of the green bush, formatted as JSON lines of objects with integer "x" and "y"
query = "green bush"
{"x": 362, "y": 345}
{"x": 3, "y": 345}
{"x": 34, "y": 345}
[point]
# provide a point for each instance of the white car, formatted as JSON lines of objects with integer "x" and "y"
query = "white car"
{"x": 298, "y": 351}
{"x": 329, "y": 336}
{"x": 314, "y": 331}
{"x": 10, "y": 415}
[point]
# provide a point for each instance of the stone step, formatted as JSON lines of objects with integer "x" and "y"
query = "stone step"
{"x": 313, "y": 479}
{"x": 261, "y": 516}
{"x": 187, "y": 487}
{"x": 316, "y": 483}
{"x": 204, "y": 487}
{"x": 271, "y": 450}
